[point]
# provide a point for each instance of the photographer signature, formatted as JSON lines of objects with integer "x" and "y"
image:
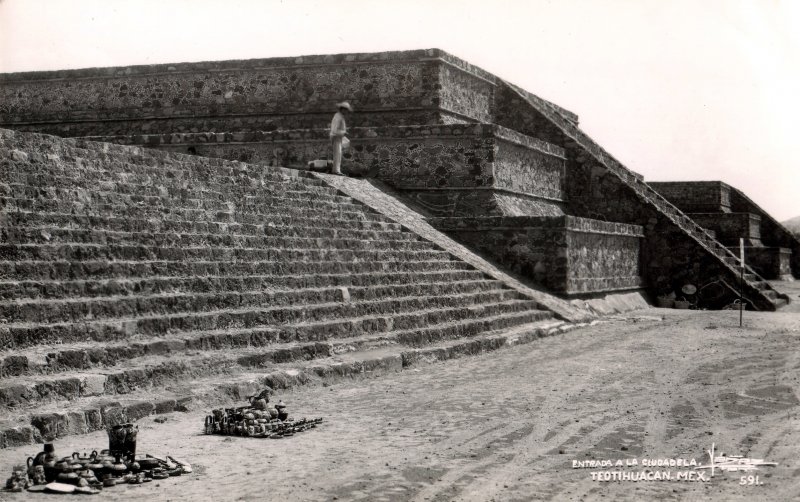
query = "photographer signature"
{"x": 733, "y": 463}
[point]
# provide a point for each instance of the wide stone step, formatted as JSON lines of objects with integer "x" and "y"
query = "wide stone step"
{"x": 290, "y": 343}
{"x": 158, "y": 370}
{"x": 93, "y": 252}
{"x": 82, "y": 309}
{"x": 274, "y": 224}
{"x": 189, "y": 175}
{"x": 186, "y": 208}
{"x": 250, "y": 235}
{"x": 122, "y": 168}
{"x": 59, "y": 418}
{"x": 124, "y": 181}
{"x": 167, "y": 165}
{"x": 132, "y": 184}
{"x": 162, "y": 194}
{"x": 104, "y": 269}
{"x": 25, "y": 184}
{"x": 50, "y": 289}
{"x": 20, "y": 335}
{"x": 330, "y": 216}
{"x": 49, "y": 235}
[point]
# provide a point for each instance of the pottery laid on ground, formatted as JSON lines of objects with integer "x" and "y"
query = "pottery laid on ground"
{"x": 90, "y": 473}
{"x": 257, "y": 420}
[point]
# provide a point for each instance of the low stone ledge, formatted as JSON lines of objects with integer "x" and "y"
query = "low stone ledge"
{"x": 573, "y": 223}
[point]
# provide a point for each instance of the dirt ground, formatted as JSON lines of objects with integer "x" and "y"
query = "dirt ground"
{"x": 653, "y": 384}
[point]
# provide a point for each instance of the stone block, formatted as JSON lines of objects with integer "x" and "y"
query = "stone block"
{"x": 139, "y": 410}
{"x": 50, "y": 425}
{"x": 183, "y": 404}
{"x": 93, "y": 419}
{"x": 14, "y": 395}
{"x": 14, "y": 365}
{"x": 75, "y": 423}
{"x": 69, "y": 387}
{"x": 165, "y": 406}
{"x": 386, "y": 364}
{"x": 113, "y": 414}
{"x": 22, "y": 435}
{"x": 93, "y": 385}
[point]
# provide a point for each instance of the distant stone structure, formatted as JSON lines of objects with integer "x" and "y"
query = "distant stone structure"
{"x": 495, "y": 166}
{"x": 770, "y": 248}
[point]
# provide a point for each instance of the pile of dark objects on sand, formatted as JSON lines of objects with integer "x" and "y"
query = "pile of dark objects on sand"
{"x": 257, "y": 420}
{"x": 90, "y": 473}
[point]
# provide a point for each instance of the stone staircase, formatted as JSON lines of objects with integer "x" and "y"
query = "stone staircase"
{"x": 133, "y": 280}
{"x": 756, "y": 288}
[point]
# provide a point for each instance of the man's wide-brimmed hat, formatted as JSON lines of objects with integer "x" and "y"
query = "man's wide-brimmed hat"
{"x": 345, "y": 105}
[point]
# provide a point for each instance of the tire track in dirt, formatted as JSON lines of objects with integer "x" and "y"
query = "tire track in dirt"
{"x": 483, "y": 480}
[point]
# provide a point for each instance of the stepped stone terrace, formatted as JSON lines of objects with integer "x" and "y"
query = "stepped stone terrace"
{"x": 451, "y": 140}
{"x": 158, "y": 235}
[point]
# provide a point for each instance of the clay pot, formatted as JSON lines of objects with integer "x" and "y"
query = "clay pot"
{"x": 95, "y": 465}
{"x": 122, "y": 440}
{"x": 259, "y": 404}
{"x": 148, "y": 463}
{"x": 32, "y": 463}
{"x": 67, "y": 477}
{"x": 64, "y": 465}
{"x": 119, "y": 466}
{"x": 283, "y": 414}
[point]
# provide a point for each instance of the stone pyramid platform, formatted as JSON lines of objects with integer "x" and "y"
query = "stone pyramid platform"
{"x": 134, "y": 280}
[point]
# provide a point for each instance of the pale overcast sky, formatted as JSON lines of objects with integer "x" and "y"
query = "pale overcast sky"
{"x": 677, "y": 89}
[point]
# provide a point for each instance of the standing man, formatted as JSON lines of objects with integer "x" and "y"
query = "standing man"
{"x": 338, "y": 130}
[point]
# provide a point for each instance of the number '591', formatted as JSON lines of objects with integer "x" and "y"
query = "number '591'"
{"x": 750, "y": 480}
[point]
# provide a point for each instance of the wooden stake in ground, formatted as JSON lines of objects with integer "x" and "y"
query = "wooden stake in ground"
{"x": 741, "y": 281}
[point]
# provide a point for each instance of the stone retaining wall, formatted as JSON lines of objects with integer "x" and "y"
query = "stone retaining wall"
{"x": 413, "y": 87}
{"x": 718, "y": 197}
{"x": 265, "y": 94}
{"x": 770, "y": 262}
{"x": 696, "y": 196}
{"x": 567, "y": 255}
{"x": 461, "y": 169}
{"x": 773, "y": 233}
{"x": 730, "y": 227}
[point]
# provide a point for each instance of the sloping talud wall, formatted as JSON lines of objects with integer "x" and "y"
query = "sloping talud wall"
{"x": 567, "y": 255}
{"x": 451, "y": 170}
